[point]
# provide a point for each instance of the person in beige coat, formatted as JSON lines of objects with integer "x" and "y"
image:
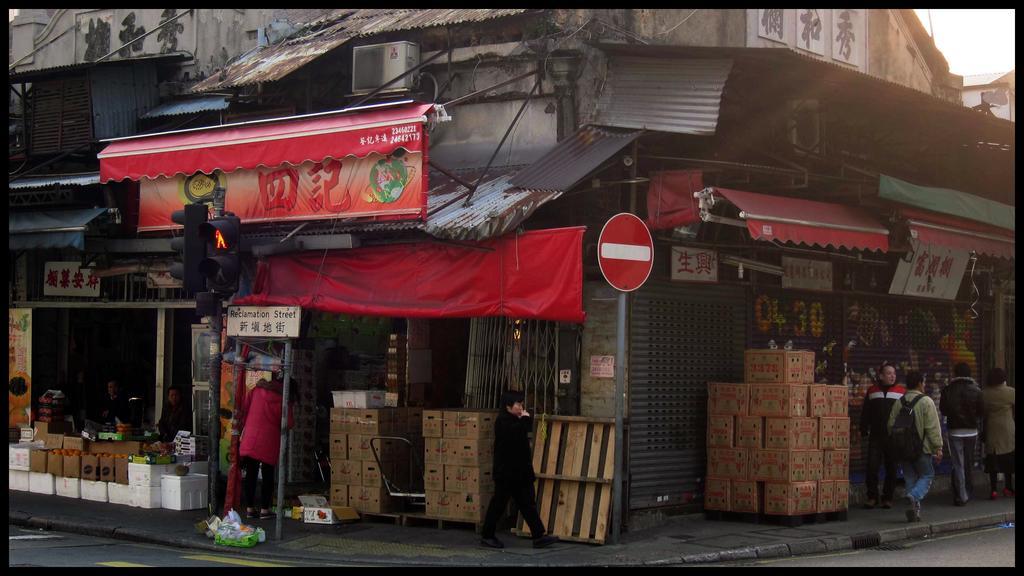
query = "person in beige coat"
{"x": 999, "y": 431}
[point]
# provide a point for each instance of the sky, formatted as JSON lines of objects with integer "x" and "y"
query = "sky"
{"x": 973, "y": 41}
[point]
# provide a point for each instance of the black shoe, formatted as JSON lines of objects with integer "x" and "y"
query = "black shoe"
{"x": 268, "y": 514}
{"x": 545, "y": 541}
{"x": 492, "y": 542}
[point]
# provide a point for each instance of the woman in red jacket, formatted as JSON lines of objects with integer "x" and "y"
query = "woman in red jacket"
{"x": 261, "y": 442}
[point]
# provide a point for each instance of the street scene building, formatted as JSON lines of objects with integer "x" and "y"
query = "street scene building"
{"x": 402, "y": 213}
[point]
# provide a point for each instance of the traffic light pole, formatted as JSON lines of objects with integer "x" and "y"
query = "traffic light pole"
{"x": 215, "y": 322}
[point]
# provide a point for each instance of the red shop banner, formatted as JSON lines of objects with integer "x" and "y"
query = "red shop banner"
{"x": 391, "y": 186}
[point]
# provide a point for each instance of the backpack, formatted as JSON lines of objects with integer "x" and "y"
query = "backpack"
{"x": 904, "y": 440}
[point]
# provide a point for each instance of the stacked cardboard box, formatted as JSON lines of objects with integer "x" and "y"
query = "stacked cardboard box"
{"x": 397, "y": 365}
{"x": 777, "y": 444}
{"x": 458, "y": 463}
{"x": 357, "y": 478}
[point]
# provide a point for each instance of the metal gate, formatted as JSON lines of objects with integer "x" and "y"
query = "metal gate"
{"x": 512, "y": 354}
{"x": 681, "y": 337}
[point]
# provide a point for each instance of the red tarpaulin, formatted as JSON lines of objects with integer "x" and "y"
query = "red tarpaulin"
{"x": 229, "y": 148}
{"x": 952, "y": 232}
{"x": 534, "y": 275}
{"x": 670, "y": 200}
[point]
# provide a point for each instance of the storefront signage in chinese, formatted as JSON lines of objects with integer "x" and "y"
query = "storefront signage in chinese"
{"x": 97, "y": 32}
{"x": 264, "y": 321}
{"x": 373, "y": 186}
{"x": 806, "y": 274}
{"x": 934, "y": 272}
{"x": 602, "y": 366}
{"x": 68, "y": 279}
{"x": 694, "y": 264}
{"x": 838, "y": 35}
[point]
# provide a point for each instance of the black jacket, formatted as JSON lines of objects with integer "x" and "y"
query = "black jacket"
{"x": 874, "y": 416}
{"x": 172, "y": 421}
{"x": 513, "y": 460}
{"x": 961, "y": 404}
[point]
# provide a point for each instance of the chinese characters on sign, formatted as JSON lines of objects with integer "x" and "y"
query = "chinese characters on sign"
{"x": 934, "y": 272}
{"x": 602, "y": 366}
{"x": 97, "y": 32}
{"x": 839, "y": 35}
{"x": 67, "y": 279}
{"x": 806, "y": 274}
{"x": 812, "y": 37}
{"x": 694, "y": 264}
{"x": 846, "y": 25}
{"x": 264, "y": 322}
{"x": 770, "y": 23}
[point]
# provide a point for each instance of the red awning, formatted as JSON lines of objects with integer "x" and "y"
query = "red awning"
{"x": 952, "y": 232}
{"x": 534, "y": 275}
{"x": 235, "y": 146}
{"x": 807, "y": 221}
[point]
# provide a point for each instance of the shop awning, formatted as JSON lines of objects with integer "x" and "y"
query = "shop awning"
{"x": 774, "y": 218}
{"x": 267, "y": 143}
{"x": 947, "y": 201}
{"x": 534, "y": 275}
{"x": 49, "y": 229}
{"x": 573, "y": 159}
{"x": 952, "y": 232}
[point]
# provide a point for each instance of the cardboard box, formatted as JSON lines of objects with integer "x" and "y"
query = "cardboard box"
{"x": 94, "y": 490}
{"x": 434, "y": 450}
{"x": 835, "y": 465}
{"x": 112, "y": 447}
{"x": 469, "y": 424}
{"x": 52, "y": 441}
{"x": 91, "y": 472}
{"x": 791, "y": 433}
{"x": 119, "y": 494}
{"x": 745, "y": 496}
{"x": 835, "y": 433}
{"x": 786, "y": 465}
{"x": 842, "y": 495}
{"x": 817, "y": 401}
{"x": 339, "y": 446}
{"x": 37, "y": 461}
{"x": 339, "y": 495}
{"x": 838, "y": 400}
{"x": 749, "y": 431}
{"x": 342, "y": 421}
{"x": 730, "y": 463}
{"x": 44, "y": 428}
{"x": 433, "y": 423}
{"x": 18, "y": 457}
{"x": 778, "y": 400}
{"x": 826, "y": 495}
{"x": 440, "y": 505}
{"x": 790, "y": 498}
{"x": 468, "y": 452}
{"x": 778, "y": 367}
{"x": 728, "y": 399}
{"x": 121, "y": 470}
{"x": 17, "y": 480}
{"x": 54, "y": 464}
{"x": 471, "y": 506}
{"x": 72, "y": 466}
{"x": 348, "y": 472}
{"x": 397, "y": 473}
{"x": 721, "y": 431}
{"x": 388, "y": 450}
{"x": 107, "y": 470}
{"x": 433, "y": 478}
{"x": 414, "y": 419}
{"x": 69, "y": 487}
{"x": 468, "y": 479}
{"x": 717, "y": 494}
{"x": 41, "y": 483}
{"x": 371, "y": 500}
{"x": 75, "y": 443}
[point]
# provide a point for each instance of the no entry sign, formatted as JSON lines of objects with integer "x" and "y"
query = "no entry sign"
{"x": 625, "y": 252}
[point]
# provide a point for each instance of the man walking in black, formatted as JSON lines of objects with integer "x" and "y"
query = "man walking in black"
{"x": 873, "y": 420}
{"x": 513, "y": 472}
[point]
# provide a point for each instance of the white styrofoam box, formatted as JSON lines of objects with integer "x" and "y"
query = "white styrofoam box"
{"x": 41, "y": 483}
{"x": 69, "y": 487}
{"x": 95, "y": 491}
{"x": 145, "y": 496}
{"x": 17, "y": 457}
{"x": 147, "y": 474}
{"x": 17, "y": 480}
{"x": 358, "y": 399}
{"x": 119, "y": 494}
{"x": 184, "y": 492}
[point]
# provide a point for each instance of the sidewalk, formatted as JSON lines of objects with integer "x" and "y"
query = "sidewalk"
{"x": 686, "y": 539}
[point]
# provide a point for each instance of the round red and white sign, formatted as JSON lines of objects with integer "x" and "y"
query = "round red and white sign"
{"x": 625, "y": 252}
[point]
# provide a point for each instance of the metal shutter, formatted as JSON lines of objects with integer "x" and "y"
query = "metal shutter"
{"x": 682, "y": 336}
{"x": 61, "y": 115}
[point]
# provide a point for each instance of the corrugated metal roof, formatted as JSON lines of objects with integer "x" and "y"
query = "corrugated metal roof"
{"x": 327, "y": 33}
{"x": 982, "y": 79}
{"x": 48, "y": 181}
{"x": 680, "y": 95}
{"x": 572, "y": 159}
{"x": 192, "y": 106}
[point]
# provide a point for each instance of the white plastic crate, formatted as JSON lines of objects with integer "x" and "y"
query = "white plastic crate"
{"x": 17, "y": 457}
{"x": 69, "y": 487}
{"x": 93, "y": 490}
{"x": 17, "y": 480}
{"x": 119, "y": 494}
{"x": 184, "y": 492}
{"x": 39, "y": 483}
{"x": 147, "y": 474}
{"x": 145, "y": 496}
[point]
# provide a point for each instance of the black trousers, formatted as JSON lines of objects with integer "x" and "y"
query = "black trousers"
{"x": 879, "y": 453}
{"x": 252, "y": 470}
{"x": 526, "y": 500}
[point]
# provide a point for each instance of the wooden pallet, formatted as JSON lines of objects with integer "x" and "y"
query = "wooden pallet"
{"x": 419, "y": 519}
{"x": 574, "y": 460}
{"x": 788, "y": 521}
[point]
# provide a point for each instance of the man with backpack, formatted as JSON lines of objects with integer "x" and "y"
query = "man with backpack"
{"x": 915, "y": 438}
{"x": 963, "y": 407}
{"x": 873, "y": 417}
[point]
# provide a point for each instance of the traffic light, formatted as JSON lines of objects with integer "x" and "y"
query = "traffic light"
{"x": 222, "y": 264}
{"x": 191, "y": 245}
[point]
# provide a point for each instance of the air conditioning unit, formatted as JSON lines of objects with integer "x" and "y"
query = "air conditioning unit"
{"x": 376, "y": 64}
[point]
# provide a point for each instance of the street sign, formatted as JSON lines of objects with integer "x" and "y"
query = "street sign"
{"x": 264, "y": 321}
{"x": 625, "y": 252}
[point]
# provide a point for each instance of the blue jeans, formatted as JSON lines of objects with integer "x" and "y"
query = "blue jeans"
{"x": 918, "y": 476}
